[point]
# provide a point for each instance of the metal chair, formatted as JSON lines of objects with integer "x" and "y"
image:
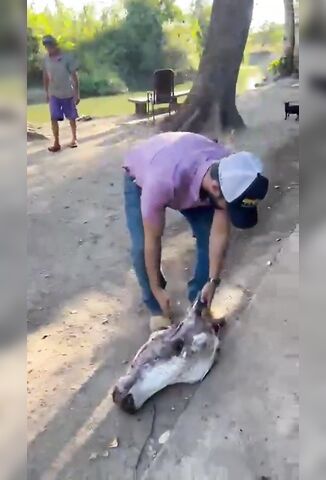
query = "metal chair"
{"x": 163, "y": 91}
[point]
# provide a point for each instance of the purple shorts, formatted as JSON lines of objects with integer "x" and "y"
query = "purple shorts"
{"x": 60, "y": 107}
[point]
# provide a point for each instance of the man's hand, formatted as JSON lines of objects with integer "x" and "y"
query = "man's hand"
{"x": 164, "y": 302}
{"x": 47, "y": 97}
{"x": 77, "y": 99}
{"x": 207, "y": 293}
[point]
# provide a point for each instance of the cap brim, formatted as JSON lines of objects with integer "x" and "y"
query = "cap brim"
{"x": 243, "y": 218}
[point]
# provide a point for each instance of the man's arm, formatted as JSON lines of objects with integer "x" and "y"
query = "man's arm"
{"x": 153, "y": 250}
{"x": 155, "y": 196}
{"x": 75, "y": 84}
{"x": 218, "y": 242}
{"x": 46, "y": 82}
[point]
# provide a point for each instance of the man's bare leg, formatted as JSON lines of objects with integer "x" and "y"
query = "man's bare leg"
{"x": 73, "y": 126}
{"x": 55, "y": 129}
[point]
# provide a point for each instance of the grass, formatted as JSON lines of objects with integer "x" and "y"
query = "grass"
{"x": 118, "y": 105}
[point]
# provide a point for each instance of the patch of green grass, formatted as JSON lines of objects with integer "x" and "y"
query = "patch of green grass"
{"x": 113, "y": 106}
{"x": 118, "y": 105}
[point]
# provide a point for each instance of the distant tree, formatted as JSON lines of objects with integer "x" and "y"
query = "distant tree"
{"x": 136, "y": 44}
{"x": 180, "y": 49}
{"x": 123, "y": 45}
{"x": 289, "y": 38}
{"x": 212, "y": 99}
{"x": 201, "y": 10}
{"x": 33, "y": 57}
{"x": 170, "y": 11}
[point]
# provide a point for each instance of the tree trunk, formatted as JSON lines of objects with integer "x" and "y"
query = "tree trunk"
{"x": 212, "y": 98}
{"x": 289, "y": 38}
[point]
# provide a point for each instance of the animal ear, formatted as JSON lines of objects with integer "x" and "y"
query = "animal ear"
{"x": 178, "y": 346}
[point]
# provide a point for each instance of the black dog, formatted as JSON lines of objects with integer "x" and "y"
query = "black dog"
{"x": 291, "y": 109}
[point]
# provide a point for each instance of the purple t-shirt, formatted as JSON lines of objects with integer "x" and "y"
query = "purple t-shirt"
{"x": 170, "y": 168}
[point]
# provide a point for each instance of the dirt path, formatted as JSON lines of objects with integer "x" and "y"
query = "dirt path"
{"x": 84, "y": 317}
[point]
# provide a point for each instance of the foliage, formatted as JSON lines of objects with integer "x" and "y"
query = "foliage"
{"x": 136, "y": 45}
{"x": 33, "y": 53}
{"x": 101, "y": 83}
{"x": 123, "y": 45}
{"x": 181, "y": 48}
{"x": 268, "y": 37}
{"x": 120, "y": 47}
{"x": 201, "y": 10}
{"x": 278, "y": 67}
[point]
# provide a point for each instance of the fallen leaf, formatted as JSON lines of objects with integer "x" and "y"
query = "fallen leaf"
{"x": 269, "y": 263}
{"x": 164, "y": 437}
{"x": 105, "y": 454}
{"x": 276, "y": 187}
{"x": 114, "y": 443}
{"x": 93, "y": 456}
{"x": 44, "y": 337}
{"x": 278, "y": 239}
{"x": 73, "y": 312}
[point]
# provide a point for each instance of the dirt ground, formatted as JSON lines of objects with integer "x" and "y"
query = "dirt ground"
{"x": 85, "y": 319}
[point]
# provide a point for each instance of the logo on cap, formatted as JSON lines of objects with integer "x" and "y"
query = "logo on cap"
{"x": 249, "y": 202}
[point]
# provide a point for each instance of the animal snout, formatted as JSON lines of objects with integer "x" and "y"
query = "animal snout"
{"x": 126, "y": 402}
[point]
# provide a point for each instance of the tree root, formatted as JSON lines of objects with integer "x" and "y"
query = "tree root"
{"x": 200, "y": 115}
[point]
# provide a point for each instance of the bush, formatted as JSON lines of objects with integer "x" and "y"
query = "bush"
{"x": 123, "y": 46}
{"x": 278, "y": 67}
{"x": 100, "y": 83}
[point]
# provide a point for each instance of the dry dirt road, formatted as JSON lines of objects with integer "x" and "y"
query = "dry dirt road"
{"x": 85, "y": 320}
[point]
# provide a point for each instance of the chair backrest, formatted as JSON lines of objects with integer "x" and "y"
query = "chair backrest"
{"x": 163, "y": 85}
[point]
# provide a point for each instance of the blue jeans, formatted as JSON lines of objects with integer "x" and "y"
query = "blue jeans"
{"x": 200, "y": 220}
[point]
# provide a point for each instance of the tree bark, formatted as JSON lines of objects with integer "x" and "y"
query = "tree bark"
{"x": 289, "y": 38}
{"x": 212, "y": 100}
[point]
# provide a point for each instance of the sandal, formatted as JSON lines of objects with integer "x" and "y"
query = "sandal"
{"x": 73, "y": 145}
{"x": 54, "y": 148}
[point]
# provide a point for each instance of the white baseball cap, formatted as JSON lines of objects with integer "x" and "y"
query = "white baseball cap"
{"x": 243, "y": 185}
